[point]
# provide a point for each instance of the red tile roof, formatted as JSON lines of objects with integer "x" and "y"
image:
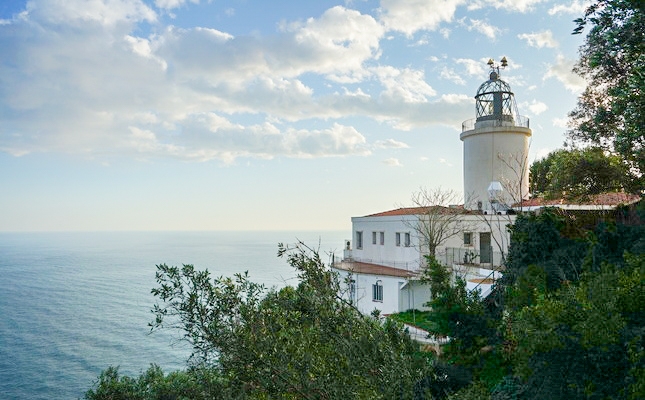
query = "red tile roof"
{"x": 422, "y": 210}
{"x": 373, "y": 269}
{"x": 603, "y": 199}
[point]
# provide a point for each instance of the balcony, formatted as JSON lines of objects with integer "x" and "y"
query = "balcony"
{"x": 469, "y": 256}
{"x": 520, "y": 121}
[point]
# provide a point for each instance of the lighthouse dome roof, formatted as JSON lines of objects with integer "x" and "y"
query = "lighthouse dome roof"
{"x": 495, "y": 100}
{"x": 494, "y": 84}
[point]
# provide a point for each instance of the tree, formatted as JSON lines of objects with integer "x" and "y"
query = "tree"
{"x": 153, "y": 384}
{"x": 437, "y": 221}
{"x": 303, "y": 342}
{"x": 585, "y": 340}
{"x": 611, "y": 111}
{"x": 577, "y": 173}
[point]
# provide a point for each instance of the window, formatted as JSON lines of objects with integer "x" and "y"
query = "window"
{"x": 352, "y": 291}
{"x": 398, "y": 239}
{"x": 382, "y": 237}
{"x": 373, "y": 237}
{"x": 468, "y": 239}
{"x": 377, "y": 291}
{"x": 407, "y": 239}
{"x": 359, "y": 240}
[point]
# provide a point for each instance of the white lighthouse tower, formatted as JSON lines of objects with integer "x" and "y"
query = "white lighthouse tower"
{"x": 496, "y": 145}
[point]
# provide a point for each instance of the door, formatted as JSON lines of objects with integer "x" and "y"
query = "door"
{"x": 485, "y": 249}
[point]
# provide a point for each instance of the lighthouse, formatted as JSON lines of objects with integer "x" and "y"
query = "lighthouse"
{"x": 496, "y": 144}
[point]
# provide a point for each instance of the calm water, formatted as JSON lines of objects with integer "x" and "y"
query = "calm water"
{"x": 72, "y": 304}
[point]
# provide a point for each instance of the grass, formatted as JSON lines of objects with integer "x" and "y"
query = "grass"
{"x": 415, "y": 318}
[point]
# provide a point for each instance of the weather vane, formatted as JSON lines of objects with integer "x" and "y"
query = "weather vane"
{"x": 494, "y": 67}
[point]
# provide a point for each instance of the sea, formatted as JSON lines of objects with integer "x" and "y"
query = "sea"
{"x": 74, "y": 303}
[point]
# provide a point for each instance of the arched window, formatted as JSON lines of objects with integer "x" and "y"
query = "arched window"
{"x": 377, "y": 291}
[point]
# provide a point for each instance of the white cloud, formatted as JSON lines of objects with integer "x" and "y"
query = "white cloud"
{"x": 456, "y": 98}
{"x": 539, "y": 39}
{"x": 445, "y": 162}
{"x": 405, "y": 84}
{"x": 392, "y": 162}
{"x": 451, "y": 75}
{"x": 390, "y": 144}
{"x": 536, "y": 107}
{"x": 409, "y": 16}
{"x": 562, "y": 71}
{"x": 576, "y": 7}
{"x": 560, "y": 122}
{"x": 102, "y": 88}
{"x": 75, "y": 12}
{"x": 521, "y": 6}
{"x": 541, "y": 153}
{"x": 484, "y": 28}
{"x": 473, "y": 67}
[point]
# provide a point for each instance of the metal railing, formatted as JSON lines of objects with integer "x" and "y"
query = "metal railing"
{"x": 469, "y": 256}
{"x": 519, "y": 120}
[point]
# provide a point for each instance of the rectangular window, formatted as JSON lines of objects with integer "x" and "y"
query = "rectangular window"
{"x": 359, "y": 240}
{"x": 382, "y": 237}
{"x": 398, "y": 238}
{"x": 373, "y": 237}
{"x": 468, "y": 239}
{"x": 407, "y": 239}
{"x": 377, "y": 291}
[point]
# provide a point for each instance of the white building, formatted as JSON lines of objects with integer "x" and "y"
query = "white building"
{"x": 382, "y": 262}
{"x": 383, "y": 265}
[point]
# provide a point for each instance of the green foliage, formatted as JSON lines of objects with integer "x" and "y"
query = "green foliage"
{"x": 578, "y": 173}
{"x": 153, "y": 384}
{"x": 541, "y": 242}
{"x": 301, "y": 342}
{"x": 476, "y": 391}
{"x": 566, "y": 321}
{"x": 578, "y": 341}
{"x": 416, "y": 318}
{"x": 436, "y": 275}
{"x": 611, "y": 111}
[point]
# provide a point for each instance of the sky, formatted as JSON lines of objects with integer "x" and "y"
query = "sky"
{"x": 254, "y": 114}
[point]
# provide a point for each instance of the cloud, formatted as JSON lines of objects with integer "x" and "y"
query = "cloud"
{"x": 392, "y": 162}
{"x": 560, "y": 122}
{"x": 539, "y": 39}
{"x": 562, "y": 71}
{"x": 210, "y": 136}
{"x": 536, "y": 107}
{"x": 473, "y": 67}
{"x": 521, "y": 6}
{"x": 80, "y": 12}
{"x": 451, "y": 75}
{"x": 484, "y": 28}
{"x": 576, "y": 7}
{"x": 390, "y": 144}
{"x": 541, "y": 153}
{"x": 410, "y": 16}
{"x": 445, "y": 162}
{"x": 406, "y": 84}
{"x": 82, "y": 79}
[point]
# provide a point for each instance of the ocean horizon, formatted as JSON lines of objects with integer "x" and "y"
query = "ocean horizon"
{"x": 75, "y": 303}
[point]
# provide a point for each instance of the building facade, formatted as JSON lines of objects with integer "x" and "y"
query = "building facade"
{"x": 382, "y": 263}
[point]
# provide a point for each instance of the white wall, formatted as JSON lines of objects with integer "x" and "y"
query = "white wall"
{"x": 476, "y": 224}
{"x": 388, "y": 253}
{"x": 495, "y": 154}
{"x": 363, "y": 298}
{"x": 409, "y": 257}
{"x": 414, "y": 295}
